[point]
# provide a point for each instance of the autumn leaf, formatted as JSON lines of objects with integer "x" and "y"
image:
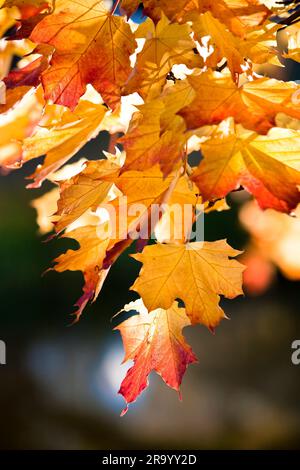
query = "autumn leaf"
{"x": 154, "y": 341}
{"x": 87, "y": 258}
{"x": 129, "y": 6}
{"x": 86, "y": 190}
{"x": 267, "y": 166}
{"x": 60, "y": 141}
{"x": 17, "y": 123}
{"x": 23, "y": 16}
{"x": 91, "y": 46}
{"x": 30, "y": 74}
{"x": 258, "y": 47}
{"x": 195, "y": 273}
{"x": 10, "y": 49}
{"x": 102, "y": 244}
{"x": 138, "y": 209}
{"x": 293, "y": 42}
{"x": 255, "y": 104}
{"x": 161, "y": 51}
{"x": 27, "y": 8}
{"x": 239, "y": 16}
{"x": 176, "y": 222}
{"x": 274, "y": 238}
{"x": 147, "y": 142}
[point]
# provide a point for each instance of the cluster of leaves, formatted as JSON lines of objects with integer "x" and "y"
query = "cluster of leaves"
{"x": 185, "y": 79}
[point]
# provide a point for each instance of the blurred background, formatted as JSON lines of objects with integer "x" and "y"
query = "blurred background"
{"x": 59, "y": 387}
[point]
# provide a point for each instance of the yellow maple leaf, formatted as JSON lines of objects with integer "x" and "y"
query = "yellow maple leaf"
{"x": 149, "y": 142}
{"x": 86, "y": 190}
{"x": 195, "y": 273}
{"x": 61, "y": 140}
{"x": 293, "y": 39}
{"x": 257, "y": 47}
{"x": 166, "y": 44}
{"x": 17, "y": 122}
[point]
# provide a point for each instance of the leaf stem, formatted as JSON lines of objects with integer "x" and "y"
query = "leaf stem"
{"x": 113, "y": 139}
{"x": 114, "y": 7}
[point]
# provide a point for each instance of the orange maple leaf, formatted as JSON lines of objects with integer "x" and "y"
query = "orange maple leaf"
{"x": 91, "y": 46}
{"x": 239, "y": 16}
{"x": 267, "y": 166}
{"x": 255, "y": 104}
{"x": 154, "y": 341}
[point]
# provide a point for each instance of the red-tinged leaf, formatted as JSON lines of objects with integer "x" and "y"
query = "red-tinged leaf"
{"x": 88, "y": 258}
{"x": 30, "y": 75}
{"x": 91, "y": 46}
{"x": 267, "y": 166}
{"x": 30, "y": 13}
{"x": 128, "y": 7}
{"x": 154, "y": 341}
{"x": 239, "y": 16}
{"x": 28, "y": 8}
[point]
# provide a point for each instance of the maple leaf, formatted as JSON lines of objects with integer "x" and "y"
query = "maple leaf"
{"x": 293, "y": 36}
{"x": 255, "y": 104}
{"x": 30, "y": 74}
{"x": 274, "y": 238}
{"x": 267, "y": 166}
{"x": 27, "y": 8}
{"x": 176, "y": 221}
{"x": 86, "y": 190}
{"x": 19, "y": 117}
{"x": 239, "y": 16}
{"x": 91, "y": 46}
{"x": 154, "y": 341}
{"x": 60, "y": 141}
{"x": 129, "y": 6}
{"x": 195, "y": 273}
{"x": 88, "y": 258}
{"x": 101, "y": 245}
{"x": 257, "y": 47}
{"x": 166, "y": 44}
{"x": 23, "y": 16}
{"x": 149, "y": 142}
{"x": 141, "y": 192}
